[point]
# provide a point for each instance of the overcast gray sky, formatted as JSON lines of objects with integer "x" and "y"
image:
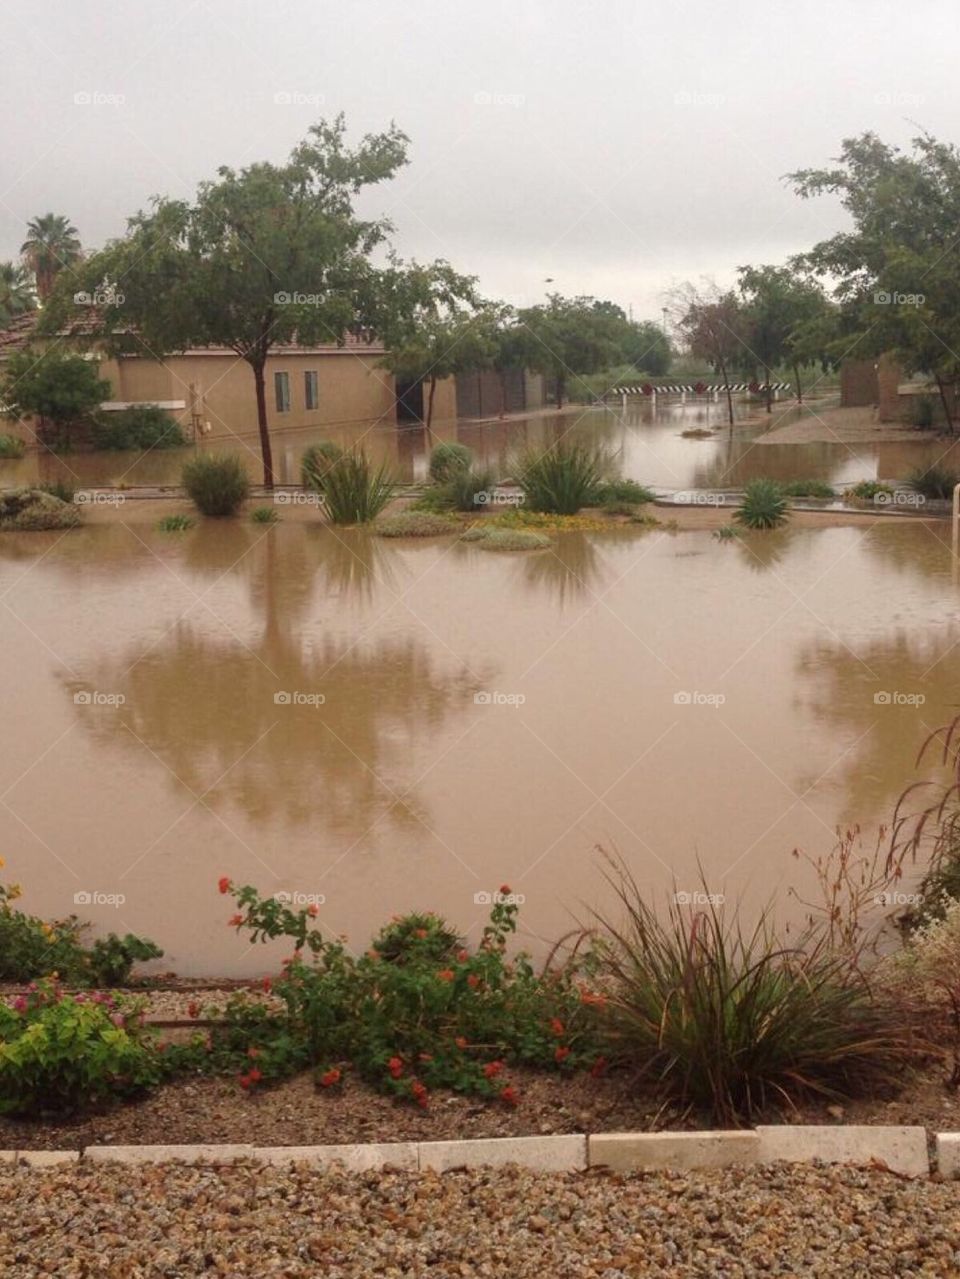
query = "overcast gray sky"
{"x": 616, "y": 146}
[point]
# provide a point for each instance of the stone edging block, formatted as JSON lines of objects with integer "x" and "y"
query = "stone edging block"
{"x": 357, "y": 1158}
{"x": 623, "y": 1151}
{"x": 168, "y": 1154}
{"x": 541, "y": 1154}
{"x": 902, "y": 1149}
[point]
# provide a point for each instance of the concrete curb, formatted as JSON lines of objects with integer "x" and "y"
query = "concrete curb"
{"x": 901, "y": 1150}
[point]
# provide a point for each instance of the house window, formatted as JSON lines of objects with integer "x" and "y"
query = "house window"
{"x": 281, "y": 386}
{"x": 311, "y": 390}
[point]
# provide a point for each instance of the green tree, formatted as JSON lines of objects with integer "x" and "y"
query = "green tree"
{"x": 52, "y": 244}
{"x": 59, "y": 390}
{"x": 897, "y": 268}
{"x": 16, "y": 292}
{"x": 647, "y": 348}
{"x": 569, "y": 337}
{"x": 777, "y": 304}
{"x": 265, "y": 255}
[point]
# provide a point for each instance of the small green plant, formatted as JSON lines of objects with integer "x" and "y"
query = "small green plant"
{"x": 727, "y": 533}
{"x": 868, "y": 490}
{"x": 935, "y": 483}
{"x": 11, "y": 446}
{"x": 506, "y": 539}
{"x": 354, "y": 490}
{"x": 62, "y": 1053}
{"x": 446, "y": 459}
{"x": 763, "y": 506}
{"x": 218, "y": 485}
{"x": 316, "y": 461}
{"x": 264, "y": 515}
{"x": 58, "y": 488}
{"x": 142, "y": 426}
{"x": 175, "y": 523}
{"x": 416, "y": 524}
{"x": 563, "y": 478}
{"x": 626, "y": 491}
{"x": 807, "y": 488}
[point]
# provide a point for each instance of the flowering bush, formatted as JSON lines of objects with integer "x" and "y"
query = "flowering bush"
{"x": 60, "y": 1052}
{"x": 416, "y": 1012}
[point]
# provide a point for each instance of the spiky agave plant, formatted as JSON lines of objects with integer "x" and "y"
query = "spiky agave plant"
{"x": 763, "y": 506}
{"x": 354, "y": 490}
{"x": 316, "y": 461}
{"x": 562, "y": 478}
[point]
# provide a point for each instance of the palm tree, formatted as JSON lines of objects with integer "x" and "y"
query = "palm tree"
{"x": 16, "y": 291}
{"x": 52, "y": 243}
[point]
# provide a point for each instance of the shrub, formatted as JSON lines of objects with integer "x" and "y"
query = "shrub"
{"x": 468, "y": 490}
{"x": 63, "y": 1052}
{"x": 562, "y": 478}
{"x": 507, "y": 539}
{"x": 731, "y": 1021}
{"x": 264, "y": 515}
{"x": 217, "y": 485}
{"x": 175, "y": 523}
{"x": 868, "y": 490}
{"x": 923, "y": 412}
{"x": 727, "y": 533}
{"x": 354, "y": 491}
{"x": 807, "y": 488}
{"x": 763, "y": 506}
{"x": 142, "y": 426}
{"x": 934, "y": 482}
{"x": 110, "y": 959}
{"x": 625, "y": 491}
{"x": 11, "y": 446}
{"x": 30, "y": 510}
{"x": 315, "y": 463}
{"x": 59, "y": 488}
{"x": 416, "y": 1012}
{"x": 446, "y": 459}
{"x": 416, "y": 524}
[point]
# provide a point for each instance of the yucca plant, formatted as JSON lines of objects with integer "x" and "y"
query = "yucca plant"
{"x": 316, "y": 462}
{"x": 934, "y": 482}
{"x": 217, "y": 485}
{"x": 562, "y": 478}
{"x": 355, "y": 491}
{"x": 733, "y": 1022}
{"x": 763, "y": 506}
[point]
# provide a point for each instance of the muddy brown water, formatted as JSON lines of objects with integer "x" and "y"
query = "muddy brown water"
{"x": 381, "y": 727}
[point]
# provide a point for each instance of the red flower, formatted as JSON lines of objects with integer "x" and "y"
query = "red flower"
{"x": 395, "y": 1066}
{"x": 255, "y": 1075}
{"x": 505, "y": 889}
{"x": 245, "y": 1081}
{"x": 193, "y": 1009}
{"x": 223, "y": 883}
{"x": 330, "y": 1078}
{"x": 420, "y": 932}
{"x": 561, "y": 1054}
{"x": 473, "y": 981}
{"x": 235, "y": 921}
{"x": 313, "y": 910}
{"x": 556, "y": 1026}
{"x": 446, "y": 974}
{"x": 267, "y": 984}
{"x": 492, "y": 1069}
{"x": 587, "y": 998}
{"x": 462, "y": 956}
{"x": 419, "y": 1093}
{"x": 599, "y": 1067}
{"x": 509, "y": 1095}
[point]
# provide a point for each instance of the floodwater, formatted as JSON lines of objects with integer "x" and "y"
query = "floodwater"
{"x": 382, "y": 727}
{"x": 648, "y": 439}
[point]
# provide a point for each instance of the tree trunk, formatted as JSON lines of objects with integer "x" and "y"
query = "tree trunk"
{"x": 946, "y": 407}
{"x": 726, "y": 383}
{"x": 766, "y": 378}
{"x": 560, "y": 387}
{"x": 502, "y": 379}
{"x": 796, "y": 374}
{"x": 265, "y": 450}
{"x": 433, "y": 387}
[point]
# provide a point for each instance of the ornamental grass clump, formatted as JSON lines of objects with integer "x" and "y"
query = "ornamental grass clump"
{"x": 217, "y": 485}
{"x": 763, "y": 506}
{"x": 354, "y": 490}
{"x": 562, "y": 478}
{"x": 419, "y": 1010}
{"x": 730, "y": 1021}
{"x": 316, "y": 462}
{"x": 935, "y": 483}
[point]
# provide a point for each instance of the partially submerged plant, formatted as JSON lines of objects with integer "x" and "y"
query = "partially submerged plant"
{"x": 218, "y": 485}
{"x": 175, "y": 523}
{"x": 264, "y": 515}
{"x": 562, "y": 478}
{"x": 763, "y": 506}
{"x": 447, "y": 459}
{"x": 807, "y": 488}
{"x": 936, "y": 483}
{"x": 31, "y": 510}
{"x": 868, "y": 491}
{"x": 416, "y": 524}
{"x": 727, "y": 532}
{"x": 316, "y": 462}
{"x": 354, "y": 490}
{"x": 506, "y": 539}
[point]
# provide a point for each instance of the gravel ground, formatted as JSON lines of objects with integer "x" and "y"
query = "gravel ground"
{"x": 142, "y": 1223}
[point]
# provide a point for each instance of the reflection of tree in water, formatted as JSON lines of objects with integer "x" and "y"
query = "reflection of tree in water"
{"x": 571, "y": 569}
{"x": 739, "y": 460}
{"x": 764, "y": 550}
{"x": 882, "y": 738}
{"x": 912, "y": 549}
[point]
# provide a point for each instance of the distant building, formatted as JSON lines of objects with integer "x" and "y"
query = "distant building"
{"x": 879, "y": 382}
